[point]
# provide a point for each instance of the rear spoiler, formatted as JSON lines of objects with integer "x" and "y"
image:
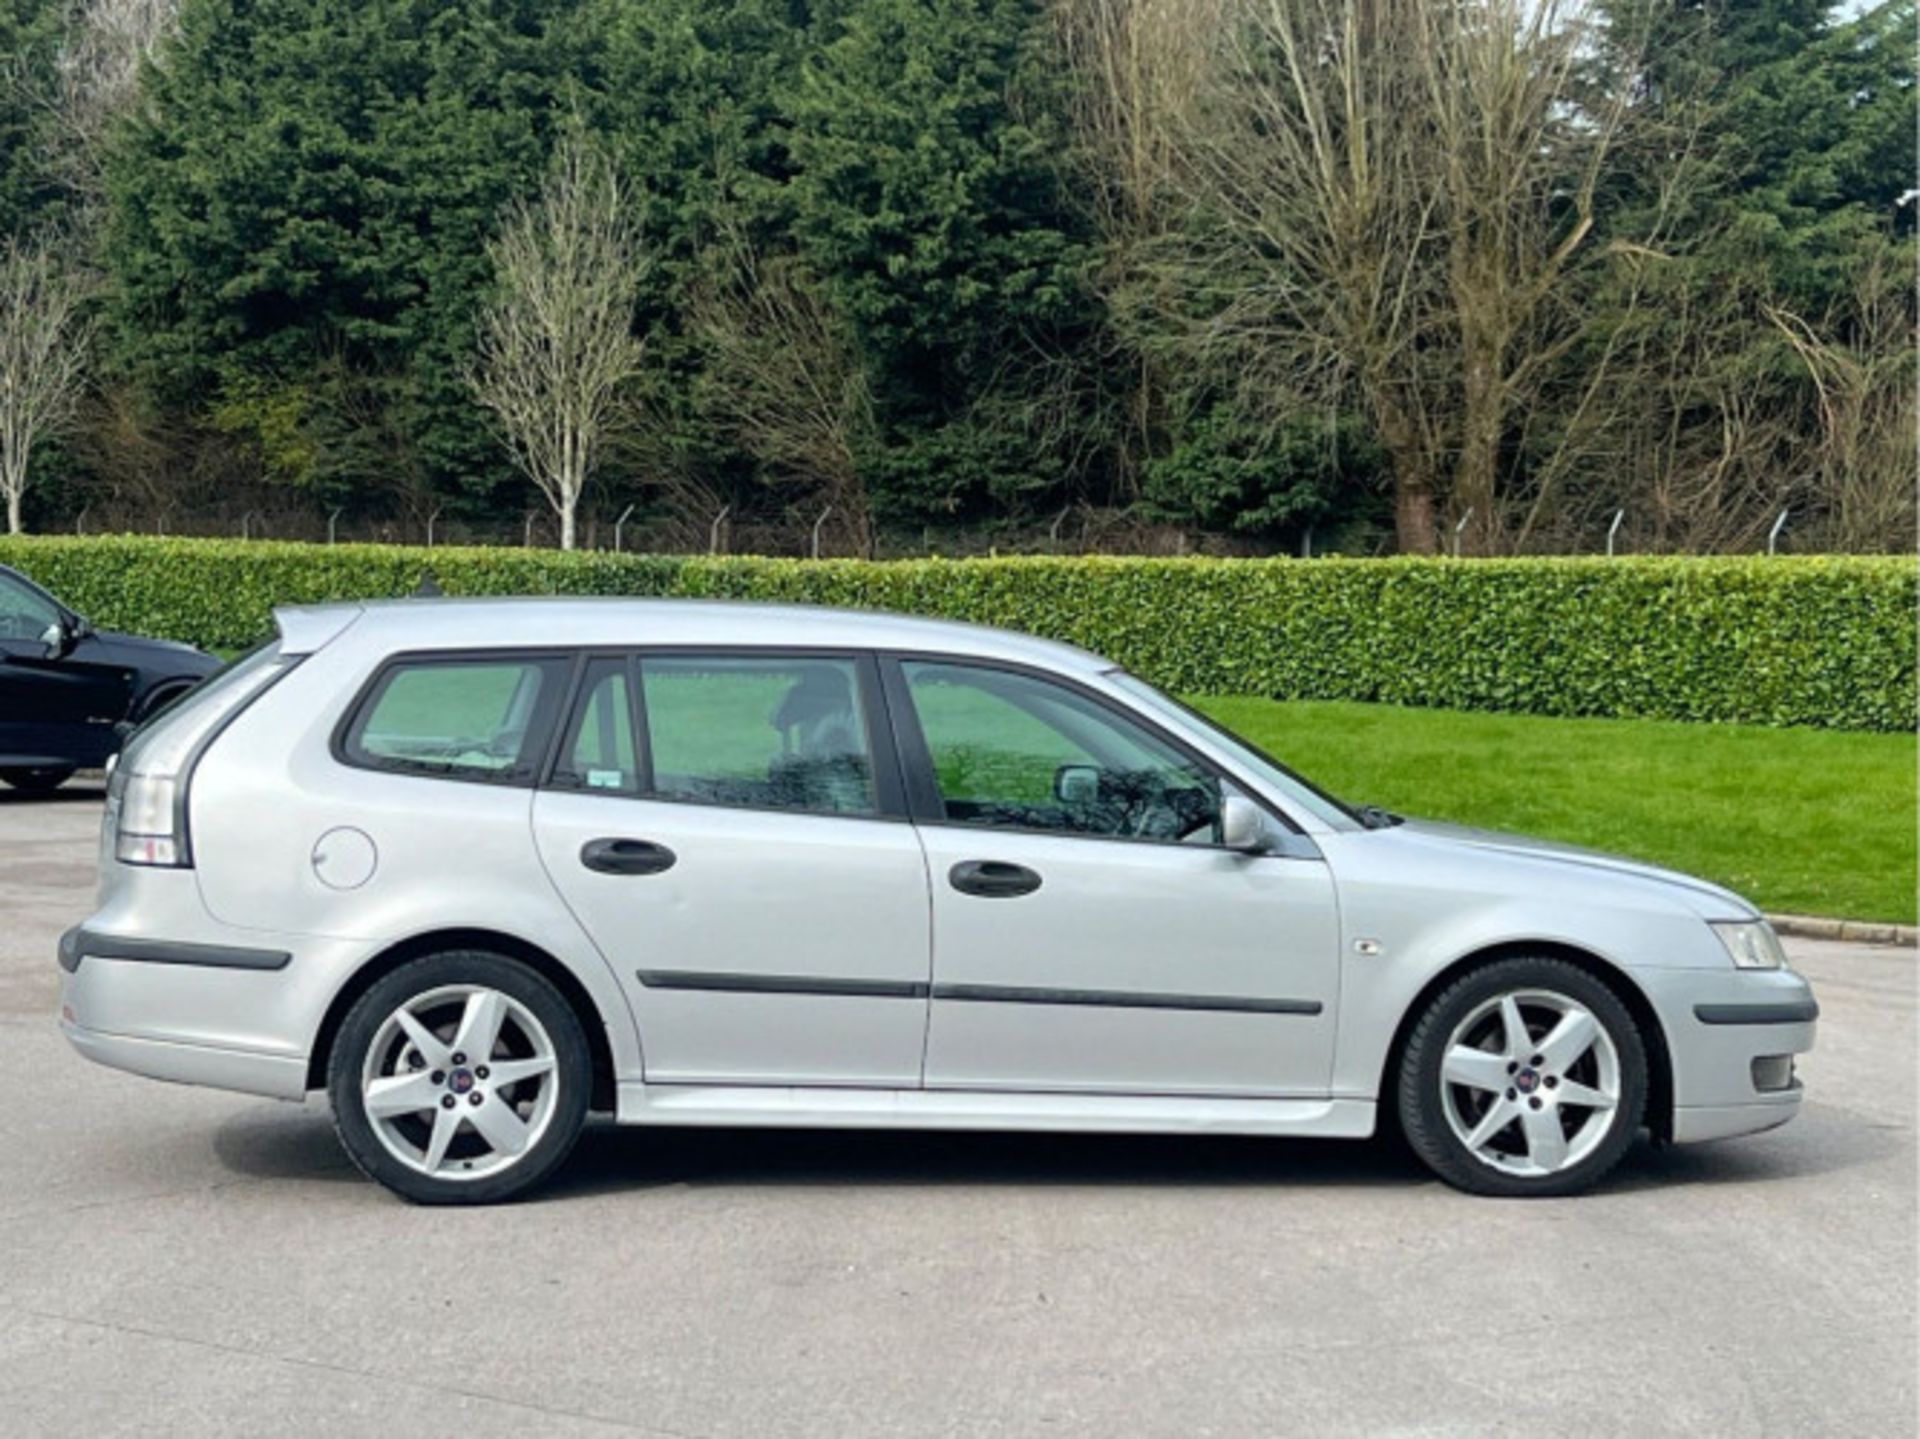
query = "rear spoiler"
{"x": 306, "y": 628}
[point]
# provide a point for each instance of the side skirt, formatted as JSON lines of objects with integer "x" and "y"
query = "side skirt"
{"x": 823, "y": 1108}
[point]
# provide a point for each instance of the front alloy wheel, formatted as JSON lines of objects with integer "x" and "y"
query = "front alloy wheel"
{"x": 1527, "y": 1077}
{"x": 460, "y": 1078}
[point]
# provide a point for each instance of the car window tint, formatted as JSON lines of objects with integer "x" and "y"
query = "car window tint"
{"x": 25, "y": 613}
{"x": 1011, "y": 750}
{"x": 474, "y": 719}
{"x": 770, "y": 733}
{"x": 599, "y": 750}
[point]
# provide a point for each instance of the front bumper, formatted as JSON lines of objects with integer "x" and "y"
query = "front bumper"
{"x": 1696, "y": 1122}
{"x": 1718, "y": 1023}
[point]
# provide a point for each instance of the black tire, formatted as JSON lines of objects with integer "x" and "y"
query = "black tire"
{"x": 44, "y": 780}
{"x": 1423, "y": 1118}
{"x": 572, "y": 1073}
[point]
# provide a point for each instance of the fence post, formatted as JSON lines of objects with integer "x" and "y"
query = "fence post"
{"x": 1773, "y": 535}
{"x": 621, "y": 524}
{"x": 333, "y": 521}
{"x": 816, "y": 530}
{"x": 1053, "y": 531}
{"x": 430, "y": 519}
{"x": 1457, "y": 529}
{"x": 1614, "y": 529}
{"x": 713, "y": 534}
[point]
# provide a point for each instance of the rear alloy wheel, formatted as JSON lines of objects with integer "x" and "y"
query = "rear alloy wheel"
{"x": 1527, "y": 1077}
{"x": 44, "y": 780}
{"x": 460, "y": 1079}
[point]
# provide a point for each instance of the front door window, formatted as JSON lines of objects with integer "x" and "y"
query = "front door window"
{"x": 1012, "y": 751}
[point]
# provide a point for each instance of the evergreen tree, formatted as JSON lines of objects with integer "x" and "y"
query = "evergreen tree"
{"x": 29, "y": 30}
{"x": 309, "y": 191}
{"x": 925, "y": 193}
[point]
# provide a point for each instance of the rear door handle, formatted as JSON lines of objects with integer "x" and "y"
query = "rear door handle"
{"x": 993, "y": 878}
{"x": 626, "y": 856}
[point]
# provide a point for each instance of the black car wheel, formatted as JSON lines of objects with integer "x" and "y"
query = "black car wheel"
{"x": 37, "y": 781}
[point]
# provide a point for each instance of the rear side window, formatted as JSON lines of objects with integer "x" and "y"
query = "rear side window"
{"x": 479, "y": 719}
{"x": 787, "y": 733}
{"x": 598, "y": 751}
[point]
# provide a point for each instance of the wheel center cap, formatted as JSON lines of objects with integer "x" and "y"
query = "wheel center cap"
{"x": 460, "y": 1081}
{"x": 1526, "y": 1081}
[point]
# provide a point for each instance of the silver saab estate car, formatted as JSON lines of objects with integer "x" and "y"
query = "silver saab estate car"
{"x": 478, "y": 868}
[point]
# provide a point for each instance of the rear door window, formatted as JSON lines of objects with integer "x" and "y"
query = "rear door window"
{"x": 770, "y": 733}
{"x": 483, "y": 718}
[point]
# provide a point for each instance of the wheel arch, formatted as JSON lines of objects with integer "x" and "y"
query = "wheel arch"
{"x": 161, "y": 692}
{"x": 1659, "y": 1115}
{"x": 440, "y": 941}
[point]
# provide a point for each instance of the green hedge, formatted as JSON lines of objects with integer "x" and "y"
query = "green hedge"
{"x": 1791, "y": 640}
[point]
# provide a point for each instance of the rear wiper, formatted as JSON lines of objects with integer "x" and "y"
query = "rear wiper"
{"x": 1374, "y": 817}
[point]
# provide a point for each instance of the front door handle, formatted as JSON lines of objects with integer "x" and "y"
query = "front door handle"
{"x": 626, "y": 856}
{"x": 992, "y": 878}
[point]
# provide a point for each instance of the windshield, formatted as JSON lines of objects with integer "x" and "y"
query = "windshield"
{"x": 1256, "y": 762}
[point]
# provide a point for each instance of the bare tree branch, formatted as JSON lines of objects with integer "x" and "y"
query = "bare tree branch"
{"x": 557, "y": 350}
{"x": 45, "y": 336}
{"x": 782, "y": 365}
{"x": 1406, "y": 187}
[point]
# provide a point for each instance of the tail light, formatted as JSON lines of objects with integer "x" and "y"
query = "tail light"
{"x": 146, "y": 811}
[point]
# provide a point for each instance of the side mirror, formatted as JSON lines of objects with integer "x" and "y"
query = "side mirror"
{"x": 58, "y": 637}
{"x": 1243, "y": 826}
{"x": 1076, "y": 783}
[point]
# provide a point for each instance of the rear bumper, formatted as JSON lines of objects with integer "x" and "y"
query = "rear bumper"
{"x": 273, "y": 1075}
{"x": 196, "y": 1007}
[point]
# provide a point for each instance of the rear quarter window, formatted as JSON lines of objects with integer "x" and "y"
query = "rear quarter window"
{"x": 484, "y": 718}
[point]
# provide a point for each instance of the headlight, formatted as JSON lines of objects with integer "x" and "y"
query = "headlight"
{"x": 1751, "y": 944}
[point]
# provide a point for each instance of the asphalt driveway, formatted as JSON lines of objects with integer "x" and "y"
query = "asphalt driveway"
{"x": 176, "y": 1260}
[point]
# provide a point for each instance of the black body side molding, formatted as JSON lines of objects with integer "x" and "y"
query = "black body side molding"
{"x": 79, "y": 942}
{"x": 1791, "y": 1011}
{"x": 730, "y": 983}
{"x": 1122, "y": 999}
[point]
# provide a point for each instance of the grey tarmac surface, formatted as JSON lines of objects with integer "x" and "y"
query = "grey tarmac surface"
{"x": 182, "y": 1261}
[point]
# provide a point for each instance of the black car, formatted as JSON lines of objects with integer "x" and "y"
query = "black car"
{"x": 70, "y": 694}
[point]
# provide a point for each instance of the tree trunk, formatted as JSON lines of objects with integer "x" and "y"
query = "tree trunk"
{"x": 1413, "y": 514}
{"x": 1473, "y": 478}
{"x": 13, "y": 511}
{"x": 566, "y": 522}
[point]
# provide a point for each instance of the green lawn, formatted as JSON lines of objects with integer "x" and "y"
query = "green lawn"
{"x": 1801, "y": 821}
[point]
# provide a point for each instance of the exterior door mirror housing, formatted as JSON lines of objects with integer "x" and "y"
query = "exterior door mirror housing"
{"x": 1076, "y": 783}
{"x": 1243, "y": 826}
